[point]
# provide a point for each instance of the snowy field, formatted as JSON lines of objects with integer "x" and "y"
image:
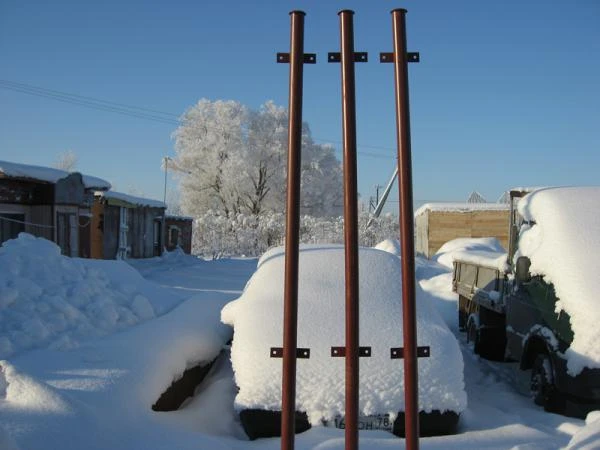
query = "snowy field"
{"x": 89, "y": 346}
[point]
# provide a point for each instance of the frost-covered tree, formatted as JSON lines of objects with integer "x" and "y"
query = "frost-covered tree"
{"x": 232, "y": 160}
{"x": 66, "y": 160}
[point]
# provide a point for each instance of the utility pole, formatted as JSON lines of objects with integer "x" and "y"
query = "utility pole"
{"x": 163, "y": 233}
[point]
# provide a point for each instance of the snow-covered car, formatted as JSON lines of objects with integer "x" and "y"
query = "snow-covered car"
{"x": 257, "y": 318}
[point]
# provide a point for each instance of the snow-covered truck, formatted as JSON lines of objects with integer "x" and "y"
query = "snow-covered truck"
{"x": 539, "y": 304}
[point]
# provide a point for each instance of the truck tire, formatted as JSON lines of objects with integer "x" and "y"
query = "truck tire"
{"x": 462, "y": 320}
{"x": 462, "y": 314}
{"x": 473, "y": 335}
{"x": 542, "y": 385}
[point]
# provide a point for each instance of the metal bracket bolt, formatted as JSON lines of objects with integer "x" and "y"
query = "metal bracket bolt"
{"x": 308, "y": 58}
{"x": 301, "y": 353}
{"x": 389, "y": 57}
{"x": 398, "y": 352}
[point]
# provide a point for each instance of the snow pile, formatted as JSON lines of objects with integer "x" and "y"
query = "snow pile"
{"x": 99, "y": 396}
{"x": 257, "y": 319}
{"x": 563, "y": 244}
{"x": 588, "y": 438}
{"x": 47, "y": 299}
{"x": 484, "y": 251}
{"x": 391, "y": 246}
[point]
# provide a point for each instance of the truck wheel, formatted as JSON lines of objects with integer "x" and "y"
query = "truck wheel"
{"x": 473, "y": 336}
{"x": 462, "y": 320}
{"x": 462, "y": 314}
{"x": 542, "y": 385}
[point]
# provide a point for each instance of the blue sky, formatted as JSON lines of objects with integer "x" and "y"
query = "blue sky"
{"x": 506, "y": 94}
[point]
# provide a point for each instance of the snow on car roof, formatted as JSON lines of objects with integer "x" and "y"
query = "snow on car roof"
{"x": 48, "y": 174}
{"x": 257, "y": 320}
{"x": 563, "y": 246}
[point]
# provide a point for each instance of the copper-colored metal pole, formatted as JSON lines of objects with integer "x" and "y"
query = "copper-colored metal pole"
{"x": 292, "y": 234}
{"x": 411, "y": 405}
{"x": 350, "y": 226}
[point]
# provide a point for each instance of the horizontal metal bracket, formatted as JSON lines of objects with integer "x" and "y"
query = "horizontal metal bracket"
{"x": 398, "y": 352}
{"x": 301, "y": 353}
{"x": 364, "y": 352}
{"x": 308, "y": 58}
{"x": 336, "y": 57}
{"x": 389, "y": 57}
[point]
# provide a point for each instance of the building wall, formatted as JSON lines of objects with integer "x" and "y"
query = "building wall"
{"x": 141, "y": 231}
{"x": 183, "y": 231}
{"x": 97, "y": 231}
{"x": 33, "y": 201}
{"x": 110, "y": 222}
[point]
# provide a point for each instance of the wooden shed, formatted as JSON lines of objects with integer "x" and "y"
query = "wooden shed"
{"x": 438, "y": 223}
{"x": 124, "y": 226}
{"x": 49, "y": 203}
{"x": 179, "y": 233}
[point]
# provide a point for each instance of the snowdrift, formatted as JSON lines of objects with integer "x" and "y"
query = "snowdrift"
{"x": 50, "y": 300}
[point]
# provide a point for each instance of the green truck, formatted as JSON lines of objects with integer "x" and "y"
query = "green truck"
{"x": 511, "y": 312}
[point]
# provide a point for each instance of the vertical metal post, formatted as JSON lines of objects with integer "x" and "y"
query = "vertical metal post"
{"x": 292, "y": 234}
{"x": 163, "y": 232}
{"x": 406, "y": 231}
{"x": 350, "y": 226}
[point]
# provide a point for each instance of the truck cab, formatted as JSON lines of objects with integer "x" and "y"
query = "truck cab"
{"x": 516, "y": 315}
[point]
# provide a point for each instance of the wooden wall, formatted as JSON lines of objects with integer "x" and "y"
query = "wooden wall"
{"x": 185, "y": 229}
{"x": 435, "y": 228}
{"x": 141, "y": 230}
{"x": 41, "y": 214}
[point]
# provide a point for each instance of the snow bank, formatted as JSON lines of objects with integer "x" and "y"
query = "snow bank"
{"x": 588, "y": 438}
{"x": 257, "y": 320}
{"x": 564, "y": 246}
{"x": 99, "y": 396}
{"x": 47, "y": 299}
{"x": 484, "y": 251}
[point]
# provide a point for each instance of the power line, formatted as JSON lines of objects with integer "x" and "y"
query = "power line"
{"x": 73, "y": 99}
{"x": 87, "y": 98}
{"x": 140, "y": 112}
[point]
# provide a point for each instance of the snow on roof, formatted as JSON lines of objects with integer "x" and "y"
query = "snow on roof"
{"x": 460, "y": 207}
{"x": 481, "y": 251}
{"x": 564, "y": 246}
{"x": 47, "y": 174}
{"x": 138, "y": 201}
{"x": 257, "y": 318}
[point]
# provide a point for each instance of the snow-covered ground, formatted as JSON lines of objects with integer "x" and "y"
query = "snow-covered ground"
{"x": 97, "y": 393}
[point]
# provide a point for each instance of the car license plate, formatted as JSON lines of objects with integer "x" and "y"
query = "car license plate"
{"x": 374, "y": 422}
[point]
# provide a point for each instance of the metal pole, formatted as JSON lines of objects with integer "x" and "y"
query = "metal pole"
{"x": 292, "y": 234}
{"x": 411, "y": 407}
{"x": 350, "y": 226}
{"x": 163, "y": 232}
